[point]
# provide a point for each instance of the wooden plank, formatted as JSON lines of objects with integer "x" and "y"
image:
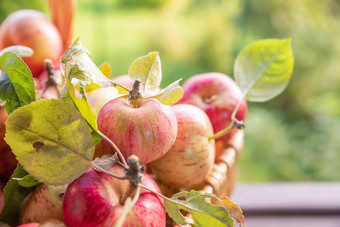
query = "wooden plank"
{"x": 293, "y": 221}
{"x": 288, "y": 198}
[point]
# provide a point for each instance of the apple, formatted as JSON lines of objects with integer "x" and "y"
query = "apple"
{"x": 217, "y": 95}
{"x": 31, "y": 28}
{"x": 192, "y": 156}
{"x": 97, "y": 98}
{"x": 147, "y": 129}
{"x": 93, "y": 200}
{"x": 3, "y": 118}
{"x": 8, "y": 163}
{"x": 43, "y": 204}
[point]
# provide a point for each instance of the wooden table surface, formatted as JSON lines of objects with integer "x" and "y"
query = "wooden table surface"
{"x": 289, "y": 204}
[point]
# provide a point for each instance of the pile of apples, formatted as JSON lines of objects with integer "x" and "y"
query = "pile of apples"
{"x": 175, "y": 142}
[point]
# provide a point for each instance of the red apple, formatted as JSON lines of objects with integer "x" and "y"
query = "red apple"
{"x": 218, "y": 95}
{"x": 43, "y": 204}
{"x": 3, "y": 118}
{"x": 93, "y": 200}
{"x": 192, "y": 156}
{"x": 31, "y": 28}
{"x": 147, "y": 130}
{"x": 8, "y": 161}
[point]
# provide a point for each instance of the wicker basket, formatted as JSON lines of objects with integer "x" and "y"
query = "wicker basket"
{"x": 222, "y": 178}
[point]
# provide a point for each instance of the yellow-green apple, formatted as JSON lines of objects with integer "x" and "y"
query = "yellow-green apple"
{"x": 147, "y": 129}
{"x": 43, "y": 204}
{"x": 192, "y": 156}
{"x": 94, "y": 200}
{"x": 32, "y": 28}
{"x": 218, "y": 95}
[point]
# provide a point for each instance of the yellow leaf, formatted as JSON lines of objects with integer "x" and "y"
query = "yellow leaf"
{"x": 106, "y": 69}
{"x": 235, "y": 211}
{"x": 171, "y": 94}
{"x": 147, "y": 70}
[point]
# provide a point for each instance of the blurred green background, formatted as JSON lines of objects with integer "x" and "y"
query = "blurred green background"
{"x": 294, "y": 137}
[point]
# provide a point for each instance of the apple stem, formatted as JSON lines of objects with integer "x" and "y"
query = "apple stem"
{"x": 234, "y": 124}
{"x": 211, "y": 99}
{"x": 134, "y": 94}
{"x": 121, "y": 157}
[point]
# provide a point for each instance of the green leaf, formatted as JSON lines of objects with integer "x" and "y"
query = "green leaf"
{"x": 16, "y": 82}
{"x": 27, "y": 181}
{"x": 68, "y": 94}
{"x": 147, "y": 70}
{"x": 51, "y": 141}
{"x": 14, "y": 194}
{"x": 171, "y": 94}
{"x": 79, "y": 65}
{"x": 263, "y": 69}
{"x": 202, "y": 212}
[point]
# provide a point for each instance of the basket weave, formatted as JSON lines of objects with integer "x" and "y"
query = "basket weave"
{"x": 221, "y": 179}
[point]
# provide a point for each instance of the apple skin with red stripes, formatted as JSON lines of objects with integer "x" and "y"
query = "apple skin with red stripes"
{"x": 147, "y": 131}
{"x": 192, "y": 156}
{"x": 217, "y": 95}
{"x": 94, "y": 200}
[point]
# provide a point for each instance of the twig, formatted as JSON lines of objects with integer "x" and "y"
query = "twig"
{"x": 121, "y": 157}
{"x": 129, "y": 204}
